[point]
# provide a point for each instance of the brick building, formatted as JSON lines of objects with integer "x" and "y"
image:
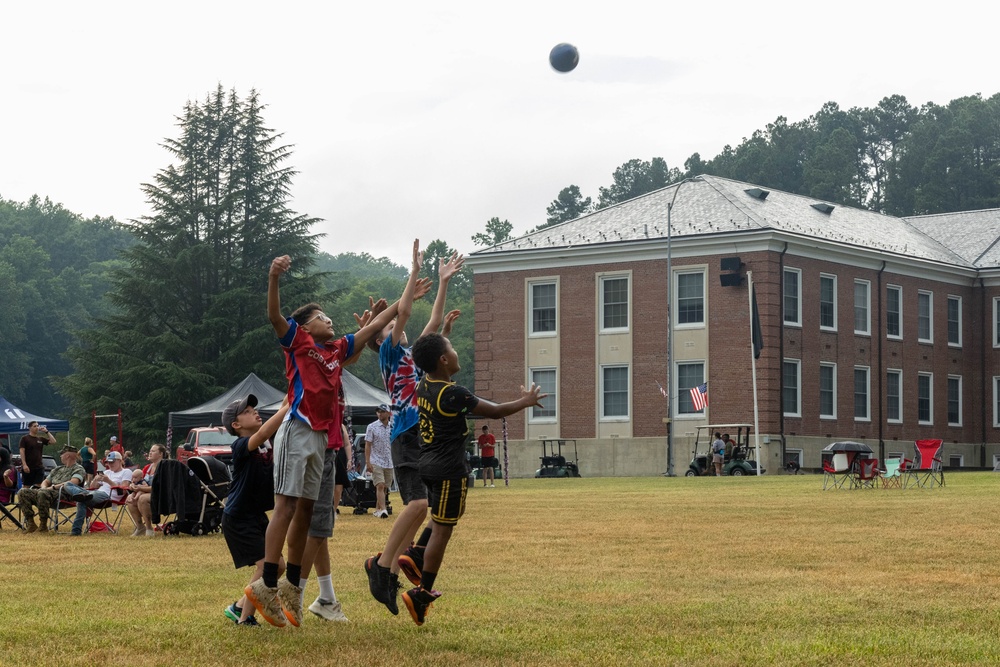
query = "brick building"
{"x": 875, "y": 328}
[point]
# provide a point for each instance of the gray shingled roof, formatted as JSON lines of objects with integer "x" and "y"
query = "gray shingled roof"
{"x": 709, "y": 205}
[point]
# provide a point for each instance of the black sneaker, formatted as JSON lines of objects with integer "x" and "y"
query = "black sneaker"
{"x": 411, "y": 562}
{"x": 378, "y": 579}
{"x": 250, "y": 622}
{"x": 418, "y": 601}
{"x": 82, "y": 497}
{"x": 392, "y": 591}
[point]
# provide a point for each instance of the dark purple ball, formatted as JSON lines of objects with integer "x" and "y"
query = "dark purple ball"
{"x": 564, "y": 57}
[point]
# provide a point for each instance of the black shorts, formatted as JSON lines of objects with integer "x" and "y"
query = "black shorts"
{"x": 245, "y": 538}
{"x": 406, "y": 449}
{"x": 36, "y": 476}
{"x": 88, "y": 467}
{"x": 340, "y": 474}
{"x": 411, "y": 485}
{"x": 490, "y": 462}
{"x": 446, "y": 499}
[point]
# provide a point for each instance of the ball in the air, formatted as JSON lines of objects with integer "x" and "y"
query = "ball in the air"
{"x": 564, "y": 57}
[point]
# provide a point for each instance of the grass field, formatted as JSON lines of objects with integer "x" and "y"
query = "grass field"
{"x": 651, "y": 571}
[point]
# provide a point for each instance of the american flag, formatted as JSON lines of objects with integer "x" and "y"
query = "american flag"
{"x": 662, "y": 390}
{"x": 699, "y": 396}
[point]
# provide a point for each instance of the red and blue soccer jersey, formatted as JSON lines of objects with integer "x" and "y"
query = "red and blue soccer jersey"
{"x": 314, "y": 375}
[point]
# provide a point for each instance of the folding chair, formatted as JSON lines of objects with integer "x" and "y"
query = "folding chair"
{"x": 928, "y": 469}
{"x": 892, "y": 476}
{"x": 62, "y": 512}
{"x": 867, "y": 474}
{"x": 8, "y": 503}
{"x": 836, "y": 470}
{"x": 103, "y": 511}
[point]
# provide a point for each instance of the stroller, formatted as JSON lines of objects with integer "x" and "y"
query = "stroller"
{"x": 193, "y": 492}
{"x": 360, "y": 494}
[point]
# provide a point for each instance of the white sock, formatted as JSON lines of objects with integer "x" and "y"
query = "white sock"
{"x": 326, "y": 588}
{"x": 302, "y": 590}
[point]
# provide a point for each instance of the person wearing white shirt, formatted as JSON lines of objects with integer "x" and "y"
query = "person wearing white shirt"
{"x": 111, "y": 484}
{"x": 378, "y": 456}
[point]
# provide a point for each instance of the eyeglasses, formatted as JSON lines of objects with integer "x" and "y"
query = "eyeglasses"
{"x": 320, "y": 316}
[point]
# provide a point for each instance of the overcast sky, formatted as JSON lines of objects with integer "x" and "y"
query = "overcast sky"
{"x": 425, "y": 119}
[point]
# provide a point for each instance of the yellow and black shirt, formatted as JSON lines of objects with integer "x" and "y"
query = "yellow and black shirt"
{"x": 443, "y": 409}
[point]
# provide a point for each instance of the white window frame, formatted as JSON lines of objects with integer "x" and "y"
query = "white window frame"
{"x": 676, "y": 298}
{"x": 996, "y": 401}
{"x": 603, "y": 278}
{"x": 930, "y": 399}
{"x": 832, "y": 367}
{"x": 677, "y": 388}
{"x": 798, "y": 298}
{"x": 930, "y": 316}
{"x": 531, "y": 308}
{"x": 553, "y": 396}
{"x": 899, "y": 314}
{"x": 833, "y": 278}
{"x": 867, "y": 286}
{"x": 996, "y": 321}
{"x": 868, "y": 393}
{"x": 899, "y": 399}
{"x": 798, "y": 387}
{"x": 961, "y": 407}
{"x": 628, "y": 390}
{"x": 958, "y": 299}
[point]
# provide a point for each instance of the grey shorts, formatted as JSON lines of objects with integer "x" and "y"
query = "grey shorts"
{"x": 298, "y": 460}
{"x": 322, "y": 519}
{"x": 411, "y": 485}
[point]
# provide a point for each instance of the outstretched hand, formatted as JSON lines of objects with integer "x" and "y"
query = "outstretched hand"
{"x": 280, "y": 265}
{"x": 422, "y": 287}
{"x": 375, "y": 307}
{"x": 532, "y": 395}
{"x": 451, "y": 266}
{"x": 449, "y": 320}
{"x": 418, "y": 257}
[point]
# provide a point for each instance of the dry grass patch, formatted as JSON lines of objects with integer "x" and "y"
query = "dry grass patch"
{"x": 564, "y": 572}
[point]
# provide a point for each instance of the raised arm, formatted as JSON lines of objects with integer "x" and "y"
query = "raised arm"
{"x": 406, "y": 300}
{"x": 446, "y": 272}
{"x": 449, "y": 322}
{"x": 531, "y": 396}
{"x": 268, "y": 428}
{"x": 279, "y": 266}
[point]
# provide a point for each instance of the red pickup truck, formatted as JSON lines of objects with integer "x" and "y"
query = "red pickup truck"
{"x": 207, "y": 441}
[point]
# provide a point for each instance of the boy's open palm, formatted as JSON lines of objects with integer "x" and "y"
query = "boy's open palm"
{"x": 451, "y": 266}
{"x": 532, "y": 395}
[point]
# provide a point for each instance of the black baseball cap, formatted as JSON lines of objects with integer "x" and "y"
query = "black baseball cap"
{"x": 235, "y": 408}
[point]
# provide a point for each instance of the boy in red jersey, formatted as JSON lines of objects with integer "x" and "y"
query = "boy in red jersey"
{"x": 314, "y": 362}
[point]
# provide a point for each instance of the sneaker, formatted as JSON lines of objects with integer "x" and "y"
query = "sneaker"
{"x": 391, "y": 592}
{"x": 138, "y": 532}
{"x": 378, "y": 578}
{"x": 266, "y": 601}
{"x": 82, "y": 497}
{"x": 493, "y": 486}
{"x": 233, "y": 613}
{"x": 150, "y": 532}
{"x": 251, "y": 622}
{"x": 331, "y": 611}
{"x": 418, "y": 601}
{"x": 290, "y": 596}
{"x": 411, "y": 562}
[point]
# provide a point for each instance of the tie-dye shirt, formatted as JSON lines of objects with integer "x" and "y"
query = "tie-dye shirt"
{"x": 401, "y": 377}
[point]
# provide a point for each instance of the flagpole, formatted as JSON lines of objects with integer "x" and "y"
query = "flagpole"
{"x": 753, "y": 374}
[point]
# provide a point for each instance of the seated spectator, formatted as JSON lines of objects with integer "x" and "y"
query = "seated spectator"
{"x": 112, "y": 484}
{"x": 46, "y": 495}
{"x": 138, "y": 504}
{"x": 8, "y": 477}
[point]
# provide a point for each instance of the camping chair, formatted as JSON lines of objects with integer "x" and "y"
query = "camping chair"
{"x": 63, "y": 511}
{"x": 866, "y": 475}
{"x": 892, "y": 476}
{"x": 836, "y": 471}
{"x": 8, "y": 503}
{"x": 103, "y": 511}
{"x": 927, "y": 470}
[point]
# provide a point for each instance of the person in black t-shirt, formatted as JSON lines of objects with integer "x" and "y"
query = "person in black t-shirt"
{"x": 443, "y": 407}
{"x": 251, "y": 493}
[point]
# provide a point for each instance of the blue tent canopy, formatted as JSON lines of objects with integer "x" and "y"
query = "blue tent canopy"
{"x": 15, "y": 420}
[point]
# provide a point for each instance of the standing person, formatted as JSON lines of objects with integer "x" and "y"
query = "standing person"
{"x": 378, "y": 458}
{"x": 718, "y": 453}
{"x": 401, "y": 377}
{"x": 313, "y": 365}
{"x": 251, "y": 495}
{"x": 115, "y": 446}
{"x": 31, "y": 444}
{"x": 487, "y": 445}
{"x": 444, "y": 407}
{"x": 88, "y": 459}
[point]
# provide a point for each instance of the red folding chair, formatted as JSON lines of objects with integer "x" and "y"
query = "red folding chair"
{"x": 927, "y": 469}
{"x": 102, "y": 512}
{"x": 867, "y": 474}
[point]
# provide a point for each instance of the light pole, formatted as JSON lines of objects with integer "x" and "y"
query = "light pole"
{"x": 670, "y": 341}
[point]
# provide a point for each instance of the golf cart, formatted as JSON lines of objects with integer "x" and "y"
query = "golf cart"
{"x": 554, "y": 464}
{"x": 739, "y": 457}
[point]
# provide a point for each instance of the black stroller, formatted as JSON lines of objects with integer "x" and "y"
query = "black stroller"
{"x": 193, "y": 492}
{"x": 360, "y": 494}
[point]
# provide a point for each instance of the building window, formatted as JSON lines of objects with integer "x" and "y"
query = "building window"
{"x": 614, "y": 303}
{"x": 828, "y": 391}
{"x": 925, "y": 398}
{"x": 894, "y": 311}
{"x": 925, "y": 317}
{"x": 691, "y": 298}
{"x": 894, "y": 396}
{"x": 543, "y": 308}
{"x": 996, "y": 401}
{"x": 954, "y": 400}
{"x": 791, "y": 388}
{"x": 546, "y": 379}
{"x": 862, "y": 309}
{"x": 996, "y": 321}
{"x": 862, "y": 384}
{"x": 614, "y": 392}
{"x": 828, "y": 302}
{"x": 792, "y": 306}
{"x": 955, "y": 321}
{"x": 688, "y": 375}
